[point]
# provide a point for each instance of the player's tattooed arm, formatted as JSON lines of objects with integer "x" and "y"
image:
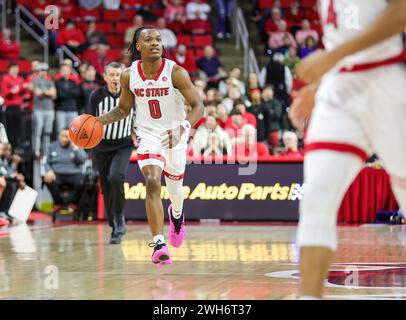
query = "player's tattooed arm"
{"x": 181, "y": 80}
{"x": 126, "y": 101}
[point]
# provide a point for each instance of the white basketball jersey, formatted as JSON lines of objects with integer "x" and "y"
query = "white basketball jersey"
{"x": 343, "y": 19}
{"x": 159, "y": 105}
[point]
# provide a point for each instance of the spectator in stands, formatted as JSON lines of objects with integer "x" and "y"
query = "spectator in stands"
{"x": 184, "y": 58}
{"x": 169, "y": 40}
{"x": 198, "y": 25}
{"x": 210, "y": 65}
{"x": 252, "y": 83}
{"x": 213, "y": 147}
{"x": 247, "y": 145}
{"x": 88, "y": 85}
{"x": 72, "y": 76}
{"x": 222, "y": 115}
{"x": 292, "y": 59}
{"x": 93, "y": 37}
{"x": 295, "y": 16}
{"x": 279, "y": 76}
{"x": 44, "y": 115}
{"x": 68, "y": 94}
{"x": 90, "y": 4}
{"x": 29, "y": 79}
{"x": 100, "y": 59}
{"x": 67, "y": 9}
{"x": 225, "y": 12}
{"x": 138, "y": 21}
{"x": 306, "y": 31}
{"x": 125, "y": 58}
{"x": 111, "y": 4}
{"x": 10, "y": 179}
{"x": 173, "y": 7}
{"x": 39, "y": 9}
{"x": 261, "y": 114}
{"x": 201, "y": 139}
{"x": 71, "y": 36}
{"x": 280, "y": 40}
{"x": 271, "y": 23}
{"x": 247, "y": 116}
{"x": 82, "y": 69}
{"x": 234, "y": 95}
{"x": 232, "y": 80}
{"x": 290, "y": 141}
{"x": 201, "y": 87}
{"x": 63, "y": 166}
{"x": 12, "y": 89}
{"x": 213, "y": 94}
{"x": 179, "y": 24}
{"x": 309, "y": 47}
{"x": 234, "y": 124}
{"x": 196, "y": 5}
{"x": 9, "y": 49}
{"x": 274, "y": 112}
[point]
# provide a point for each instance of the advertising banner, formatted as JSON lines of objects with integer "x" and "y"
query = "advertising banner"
{"x": 219, "y": 191}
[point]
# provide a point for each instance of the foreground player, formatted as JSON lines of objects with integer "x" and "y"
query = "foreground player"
{"x": 360, "y": 107}
{"x": 159, "y": 87}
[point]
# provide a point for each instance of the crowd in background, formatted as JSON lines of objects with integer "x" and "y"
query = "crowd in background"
{"x": 244, "y": 116}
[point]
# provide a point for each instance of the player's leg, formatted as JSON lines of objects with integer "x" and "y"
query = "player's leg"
{"x": 336, "y": 147}
{"x": 118, "y": 168}
{"x": 174, "y": 173}
{"x": 155, "y": 212}
{"x": 327, "y": 176}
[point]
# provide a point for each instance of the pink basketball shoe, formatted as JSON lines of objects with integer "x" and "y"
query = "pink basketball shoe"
{"x": 160, "y": 256}
{"x": 177, "y": 230}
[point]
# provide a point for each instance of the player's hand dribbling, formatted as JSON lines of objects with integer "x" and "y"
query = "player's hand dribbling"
{"x": 302, "y": 106}
{"x": 316, "y": 65}
{"x": 171, "y": 138}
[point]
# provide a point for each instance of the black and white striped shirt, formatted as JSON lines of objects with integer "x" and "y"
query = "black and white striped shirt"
{"x": 102, "y": 101}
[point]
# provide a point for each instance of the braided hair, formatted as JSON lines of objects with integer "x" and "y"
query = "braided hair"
{"x": 134, "y": 53}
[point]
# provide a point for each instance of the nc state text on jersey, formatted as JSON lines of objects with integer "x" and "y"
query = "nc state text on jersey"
{"x": 151, "y": 92}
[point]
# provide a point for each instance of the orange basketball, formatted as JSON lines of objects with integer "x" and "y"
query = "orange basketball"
{"x": 85, "y": 131}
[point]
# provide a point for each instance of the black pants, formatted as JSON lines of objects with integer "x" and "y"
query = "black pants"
{"x": 8, "y": 195}
{"x": 13, "y": 121}
{"x": 73, "y": 182}
{"x": 111, "y": 159}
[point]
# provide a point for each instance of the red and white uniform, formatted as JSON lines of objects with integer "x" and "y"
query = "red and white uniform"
{"x": 159, "y": 107}
{"x": 361, "y": 104}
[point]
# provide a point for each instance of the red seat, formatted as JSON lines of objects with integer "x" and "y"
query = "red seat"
{"x": 25, "y": 66}
{"x": 202, "y": 40}
{"x": 114, "y": 54}
{"x": 95, "y": 13}
{"x": 184, "y": 39}
{"x": 308, "y": 3}
{"x": 116, "y": 41}
{"x": 4, "y": 65}
{"x": 104, "y": 27}
{"x": 121, "y": 27}
{"x": 26, "y": 3}
{"x": 198, "y": 53}
{"x": 129, "y": 15}
{"x": 112, "y": 15}
{"x": 265, "y": 4}
{"x": 286, "y": 3}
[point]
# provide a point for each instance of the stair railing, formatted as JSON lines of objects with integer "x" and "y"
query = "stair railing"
{"x": 22, "y": 12}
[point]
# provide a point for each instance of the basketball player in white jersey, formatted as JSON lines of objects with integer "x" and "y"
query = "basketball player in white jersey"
{"x": 358, "y": 90}
{"x": 159, "y": 88}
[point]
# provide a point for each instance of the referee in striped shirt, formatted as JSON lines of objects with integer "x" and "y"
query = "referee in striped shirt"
{"x": 112, "y": 155}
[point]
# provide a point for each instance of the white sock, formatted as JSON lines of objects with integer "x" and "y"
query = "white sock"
{"x": 175, "y": 192}
{"x": 308, "y": 298}
{"x": 159, "y": 238}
